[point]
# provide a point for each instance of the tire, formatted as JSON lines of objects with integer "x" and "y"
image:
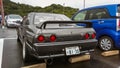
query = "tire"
{"x": 25, "y": 54}
{"x": 7, "y": 25}
{"x": 106, "y": 43}
{"x": 18, "y": 38}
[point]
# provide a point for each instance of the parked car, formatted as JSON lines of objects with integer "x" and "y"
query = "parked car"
{"x": 12, "y": 20}
{"x": 106, "y": 22}
{"x": 48, "y": 35}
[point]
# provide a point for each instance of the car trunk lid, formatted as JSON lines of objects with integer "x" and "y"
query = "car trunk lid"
{"x": 65, "y": 31}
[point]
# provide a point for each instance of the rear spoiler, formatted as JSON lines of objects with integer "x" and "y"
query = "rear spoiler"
{"x": 88, "y": 23}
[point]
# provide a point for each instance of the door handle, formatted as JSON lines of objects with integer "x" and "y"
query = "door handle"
{"x": 101, "y": 22}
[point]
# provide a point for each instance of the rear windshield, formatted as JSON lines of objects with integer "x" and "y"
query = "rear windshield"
{"x": 15, "y": 17}
{"x": 49, "y": 17}
{"x": 119, "y": 9}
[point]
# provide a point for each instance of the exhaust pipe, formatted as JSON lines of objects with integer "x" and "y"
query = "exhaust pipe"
{"x": 49, "y": 61}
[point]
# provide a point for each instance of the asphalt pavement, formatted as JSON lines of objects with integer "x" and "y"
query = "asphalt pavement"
{"x": 12, "y": 56}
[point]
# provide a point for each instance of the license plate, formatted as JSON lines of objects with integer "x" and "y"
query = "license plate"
{"x": 72, "y": 50}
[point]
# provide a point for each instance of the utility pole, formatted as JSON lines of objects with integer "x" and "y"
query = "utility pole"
{"x": 83, "y": 3}
{"x": 2, "y": 14}
{"x": 63, "y": 8}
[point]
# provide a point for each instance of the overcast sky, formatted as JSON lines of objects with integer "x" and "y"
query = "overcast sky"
{"x": 71, "y": 3}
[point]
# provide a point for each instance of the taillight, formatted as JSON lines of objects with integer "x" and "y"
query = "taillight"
{"x": 87, "y": 36}
{"x": 41, "y": 38}
{"x": 93, "y": 35}
{"x": 119, "y": 23}
{"x": 52, "y": 38}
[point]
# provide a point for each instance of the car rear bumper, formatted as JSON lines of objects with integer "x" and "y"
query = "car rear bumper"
{"x": 57, "y": 49}
{"x": 116, "y": 40}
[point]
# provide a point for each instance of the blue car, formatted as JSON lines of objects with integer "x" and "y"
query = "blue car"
{"x": 106, "y": 22}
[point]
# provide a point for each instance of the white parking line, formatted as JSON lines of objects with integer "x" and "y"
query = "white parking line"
{"x": 1, "y": 50}
{"x": 10, "y": 38}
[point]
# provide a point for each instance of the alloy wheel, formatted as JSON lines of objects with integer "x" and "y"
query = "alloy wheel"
{"x": 106, "y": 43}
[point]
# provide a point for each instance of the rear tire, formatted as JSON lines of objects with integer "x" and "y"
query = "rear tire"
{"x": 106, "y": 43}
{"x": 18, "y": 38}
{"x": 25, "y": 53}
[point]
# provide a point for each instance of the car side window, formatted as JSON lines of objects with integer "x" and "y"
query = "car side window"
{"x": 98, "y": 14}
{"x": 80, "y": 16}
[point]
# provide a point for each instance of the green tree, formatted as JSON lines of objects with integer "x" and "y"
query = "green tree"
{"x": 22, "y": 9}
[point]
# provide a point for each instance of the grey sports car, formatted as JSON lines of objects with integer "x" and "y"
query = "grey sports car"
{"x": 48, "y": 35}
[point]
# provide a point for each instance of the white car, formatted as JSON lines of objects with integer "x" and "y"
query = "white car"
{"x": 12, "y": 20}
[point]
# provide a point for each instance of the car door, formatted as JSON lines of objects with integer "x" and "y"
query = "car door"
{"x": 100, "y": 18}
{"x": 22, "y": 29}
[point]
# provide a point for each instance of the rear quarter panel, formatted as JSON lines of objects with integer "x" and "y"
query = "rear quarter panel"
{"x": 107, "y": 24}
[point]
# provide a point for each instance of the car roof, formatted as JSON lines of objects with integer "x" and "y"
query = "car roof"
{"x": 112, "y": 8}
{"x": 100, "y": 6}
{"x": 43, "y": 13}
{"x": 13, "y": 14}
